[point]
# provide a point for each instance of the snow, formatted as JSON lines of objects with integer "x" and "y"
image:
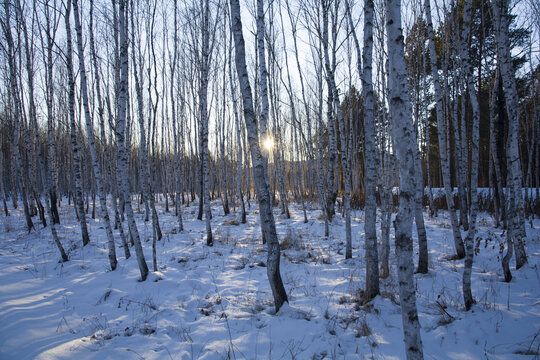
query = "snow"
{"x": 215, "y": 302}
{"x": 527, "y": 193}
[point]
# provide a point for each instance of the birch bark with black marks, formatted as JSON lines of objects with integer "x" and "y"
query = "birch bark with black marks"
{"x": 145, "y": 141}
{"x": 175, "y": 129}
{"x": 203, "y": 116}
{"x": 91, "y": 139}
{"x": 260, "y": 177}
{"x": 370, "y": 154}
{"x": 106, "y": 164}
{"x": 120, "y": 139}
{"x": 469, "y": 239}
{"x": 402, "y": 129}
{"x": 514, "y": 178}
{"x": 73, "y": 130}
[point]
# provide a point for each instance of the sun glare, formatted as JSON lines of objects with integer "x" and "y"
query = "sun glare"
{"x": 268, "y": 143}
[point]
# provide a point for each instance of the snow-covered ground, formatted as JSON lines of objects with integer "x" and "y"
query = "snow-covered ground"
{"x": 215, "y": 302}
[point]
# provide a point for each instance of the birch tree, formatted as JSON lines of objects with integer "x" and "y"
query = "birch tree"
{"x": 121, "y": 136}
{"x": 514, "y": 236}
{"x": 336, "y": 107}
{"x": 260, "y": 177}
{"x": 469, "y": 240}
{"x": 402, "y": 129}
{"x": 239, "y": 136}
{"x": 203, "y": 113}
{"x": 91, "y": 139}
{"x": 73, "y": 130}
{"x": 102, "y": 165}
{"x": 17, "y": 114}
{"x": 47, "y": 43}
{"x": 370, "y": 156}
{"x": 175, "y": 130}
{"x": 37, "y": 158}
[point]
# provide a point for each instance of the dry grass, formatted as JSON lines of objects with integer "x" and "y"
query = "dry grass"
{"x": 292, "y": 240}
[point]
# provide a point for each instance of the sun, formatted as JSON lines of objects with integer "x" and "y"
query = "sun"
{"x": 268, "y": 143}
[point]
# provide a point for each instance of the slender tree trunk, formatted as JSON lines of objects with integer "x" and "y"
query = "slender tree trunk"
{"x": 514, "y": 182}
{"x": 239, "y": 137}
{"x": 17, "y": 116}
{"x": 423, "y": 256}
{"x": 402, "y": 128}
{"x": 268, "y": 224}
{"x": 297, "y": 126}
{"x": 460, "y": 154}
{"x": 73, "y": 131}
{"x": 90, "y": 133}
{"x": 469, "y": 240}
{"x": 445, "y": 164}
{"x": 203, "y": 113}
{"x": 370, "y": 156}
{"x": 37, "y": 158}
{"x": 50, "y": 172}
{"x": 312, "y": 170}
{"x": 120, "y": 137}
{"x": 2, "y": 185}
{"x": 323, "y": 189}
{"x": 178, "y": 189}
{"x": 499, "y": 193}
{"x": 387, "y": 165}
{"x": 344, "y": 154}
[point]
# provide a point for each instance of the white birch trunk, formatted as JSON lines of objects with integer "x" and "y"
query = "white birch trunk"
{"x": 91, "y": 140}
{"x": 175, "y": 129}
{"x": 74, "y": 144}
{"x": 120, "y": 140}
{"x": 402, "y": 129}
{"x": 370, "y": 154}
{"x": 469, "y": 240}
{"x": 514, "y": 182}
{"x": 260, "y": 176}
{"x": 203, "y": 113}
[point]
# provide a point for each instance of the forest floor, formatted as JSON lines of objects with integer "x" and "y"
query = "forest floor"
{"x": 215, "y": 302}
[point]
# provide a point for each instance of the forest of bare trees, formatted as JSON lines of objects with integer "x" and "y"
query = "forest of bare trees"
{"x": 386, "y": 106}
